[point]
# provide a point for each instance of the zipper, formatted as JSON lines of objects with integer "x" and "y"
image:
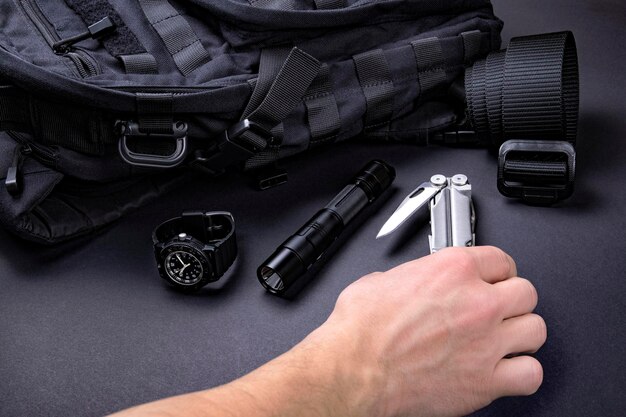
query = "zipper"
{"x": 85, "y": 64}
{"x": 24, "y": 150}
{"x": 42, "y": 153}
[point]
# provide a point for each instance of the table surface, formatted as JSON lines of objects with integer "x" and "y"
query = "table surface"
{"x": 90, "y": 328}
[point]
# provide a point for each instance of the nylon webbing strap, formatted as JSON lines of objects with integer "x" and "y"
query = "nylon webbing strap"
{"x": 14, "y": 109}
{"x": 536, "y": 171}
{"x": 471, "y": 45}
{"x": 529, "y": 92}
{"x": 297, "y": 4}
{"x": 139, "y": 63}
{"x": 122, "y": 42}
{"x": 276, "y": 4}
{"x": 330, "y": 4}
{"x": 270, "y": 64}
{"x": 78, "y": 128}
{"x": 295, "y": 76}
{"x": 493, "y": 88}
{"x": 179, "y": 38}
{"x": 375, "y": 79}
{"x": 322, "y": 112}
{"x": 431, "y": 69}
{"x": 155, "y": 113}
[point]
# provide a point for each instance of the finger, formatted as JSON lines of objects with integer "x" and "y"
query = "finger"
{"x": 494, "y": 265}
{"x": 518, "y": 296}
{"x": 524, "y": 334}
{"x": 521, "y": 375}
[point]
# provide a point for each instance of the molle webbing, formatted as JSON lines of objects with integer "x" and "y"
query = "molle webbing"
{"x": 122, "y": 42}
{"x": 179, "y": 38}
{"x": 430, "y": 63}
{"x": 375, "y": 79}
{"x": 322, "y": 111}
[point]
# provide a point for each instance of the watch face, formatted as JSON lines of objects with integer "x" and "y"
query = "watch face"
{"x": 185, "y": 263}
{"x": 183, "y": 267}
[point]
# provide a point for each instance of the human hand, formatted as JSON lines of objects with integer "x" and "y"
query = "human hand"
{"x": 439, "y": 336}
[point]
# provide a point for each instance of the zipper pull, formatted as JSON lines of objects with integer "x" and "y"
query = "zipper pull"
{"x": 14, "y": 178}
{"x": 98, "y": 29}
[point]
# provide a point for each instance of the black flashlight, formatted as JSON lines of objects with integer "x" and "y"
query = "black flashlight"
{"x": 289, "y": 263}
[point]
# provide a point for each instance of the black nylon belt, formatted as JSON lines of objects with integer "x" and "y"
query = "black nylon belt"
{"x": 494, "y": 79}
{"x": 375, "y": 79}
{"x": 527, "y": 97}
{"x": 179, "y": 38}
{"x": 548, "y": 171}
{"x": 528, "y": 92}
{"x": 121, "y": 42}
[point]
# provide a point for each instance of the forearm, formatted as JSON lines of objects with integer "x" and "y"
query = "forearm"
{"x": 313, "y": 379}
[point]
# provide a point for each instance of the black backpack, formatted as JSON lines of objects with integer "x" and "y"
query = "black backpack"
{"x": 104, "y": 105}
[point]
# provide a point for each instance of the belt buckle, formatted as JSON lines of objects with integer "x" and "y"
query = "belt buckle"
{"x": 537, "y": 171}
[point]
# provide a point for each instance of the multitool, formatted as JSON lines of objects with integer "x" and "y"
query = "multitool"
{"x": 452, "y": 216}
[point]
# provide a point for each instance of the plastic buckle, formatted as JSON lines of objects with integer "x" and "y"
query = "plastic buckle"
{"x": 229, "y": 148}
{"x": 537, "y": 171}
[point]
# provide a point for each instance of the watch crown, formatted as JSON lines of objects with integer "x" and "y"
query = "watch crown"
{"x": 182, "y": 235}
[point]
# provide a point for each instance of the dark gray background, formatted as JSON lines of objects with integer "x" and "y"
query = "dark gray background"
{"x": 89, "y": 328}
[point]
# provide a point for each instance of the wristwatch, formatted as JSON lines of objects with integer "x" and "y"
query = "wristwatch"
{"x": 195, "y": 249}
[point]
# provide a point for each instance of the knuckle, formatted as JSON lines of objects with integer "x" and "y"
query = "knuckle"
{"x": 535, "y": 377}
{"x": 538, "y": 329}
{"x": 530, "y": 290}
{"x": 349, "y": 293}
{"x": 462, "y": 260}
{"x": 371, "y": 276}
{"x": 504, "y": 261}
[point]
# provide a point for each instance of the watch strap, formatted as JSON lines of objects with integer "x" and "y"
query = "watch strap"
{"x": 225, "y": 252}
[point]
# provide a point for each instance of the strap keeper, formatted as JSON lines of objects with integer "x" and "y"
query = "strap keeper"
{"x": 539, "y": 172}
{"x": 231, "y": 148}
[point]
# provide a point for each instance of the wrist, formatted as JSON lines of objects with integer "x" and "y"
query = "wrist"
{"x": 321, "y": 376}
{"x": 341, "y": 361}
